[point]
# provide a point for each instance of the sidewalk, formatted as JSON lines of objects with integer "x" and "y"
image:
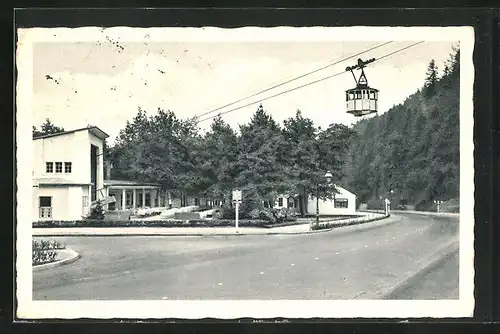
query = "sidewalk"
{"x": 189, "y": 231}
{"x": 171, "y": 231}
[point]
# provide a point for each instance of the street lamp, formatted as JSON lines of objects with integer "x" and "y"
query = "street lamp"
{"x": 328, "y": 177}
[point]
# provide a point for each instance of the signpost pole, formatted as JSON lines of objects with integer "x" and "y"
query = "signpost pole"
{"x": 237, "y": 213}
{"x": 237, "y": 201}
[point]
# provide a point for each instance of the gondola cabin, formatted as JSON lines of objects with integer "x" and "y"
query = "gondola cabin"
{"x": 361, "y": 101}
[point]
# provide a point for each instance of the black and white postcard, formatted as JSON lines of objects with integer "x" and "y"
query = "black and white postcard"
{"x": 315, "y": 172}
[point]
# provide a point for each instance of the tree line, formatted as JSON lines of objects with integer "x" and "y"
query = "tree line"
{"x": 263, "y": 160}
{"x": 413, "y": 149}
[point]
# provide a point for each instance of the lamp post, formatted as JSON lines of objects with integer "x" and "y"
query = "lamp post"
{"x": 328, "y": 177}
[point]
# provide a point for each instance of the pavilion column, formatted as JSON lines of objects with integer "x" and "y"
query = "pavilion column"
{"x": 143, "y": 197}
{"x": 124, "y": 199}
{"x": 134, "y": 199}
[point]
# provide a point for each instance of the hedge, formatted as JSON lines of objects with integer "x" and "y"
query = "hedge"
{"x": 323, "y": 226}
{"x": 151, "y": 223}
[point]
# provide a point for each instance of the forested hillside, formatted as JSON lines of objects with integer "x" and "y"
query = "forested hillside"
{"x": 412, "y": 149}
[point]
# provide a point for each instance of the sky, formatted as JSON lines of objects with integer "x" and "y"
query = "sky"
{"x": 103, "y": 81}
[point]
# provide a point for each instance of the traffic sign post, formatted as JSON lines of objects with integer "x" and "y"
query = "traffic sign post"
{"x": 237, "y": 201}
{"x": 387, "y": 206}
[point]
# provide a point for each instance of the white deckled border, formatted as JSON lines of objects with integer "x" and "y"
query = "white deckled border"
{"x": 29, "y": 309}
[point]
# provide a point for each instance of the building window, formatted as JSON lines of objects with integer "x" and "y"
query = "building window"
{"x": 85, "y": 201}
{"x": 49, "y": 167}
{"x": 67, "y": 167}
{"x": 196, "y": 201}
{"x": 280, "y": 202}
{"x": 147, "y": 199}
{"x": 341, "y": 203}
{"x": 45, "y": 207}
{"x": 129, "y": 199}
{"x": 58, "y": 167}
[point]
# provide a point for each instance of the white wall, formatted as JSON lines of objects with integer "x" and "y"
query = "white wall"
{"x": 72, "y": 147}
{"x": 67, "y": 202}
{"x": 327, "y": 207}
{"x": 59, "y": 202}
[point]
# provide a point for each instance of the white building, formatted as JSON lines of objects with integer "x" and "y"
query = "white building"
{"x": 67, "y": 173}
{"x": 132, "y": 195}
{"x": 68, "y": 177}
{"x": 343, "y": 204}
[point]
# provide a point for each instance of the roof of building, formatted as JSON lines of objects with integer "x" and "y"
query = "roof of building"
{"x": 340, "y": 191}
{"x": 127, "y": 183}
{"x": 92, "y": 129}
{"x": 58, "y": 182}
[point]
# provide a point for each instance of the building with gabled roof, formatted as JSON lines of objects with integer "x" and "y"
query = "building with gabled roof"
{"x": 67, "y": 173}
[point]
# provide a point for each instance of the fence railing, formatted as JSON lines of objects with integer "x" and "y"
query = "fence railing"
{"x": 45, "y": 212}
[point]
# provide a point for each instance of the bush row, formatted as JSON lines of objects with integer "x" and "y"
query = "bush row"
{"x": 44, "y": 251}
{"x": 323, "y": 226}
{"x": 273, "y": 215}
{"x": 151, "y": 223}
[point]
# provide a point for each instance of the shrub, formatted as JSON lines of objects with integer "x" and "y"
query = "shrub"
{"x": 152, "y": 223}
{"x": 322, "y": 226}
{"x": 97, "y": 212}
{"x": 45, "y": 251}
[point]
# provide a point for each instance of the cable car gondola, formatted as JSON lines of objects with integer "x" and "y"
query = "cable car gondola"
{"x": 361, "y": 100}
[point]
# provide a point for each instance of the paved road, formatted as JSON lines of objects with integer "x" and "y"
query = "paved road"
{"x": 357, "y": 262}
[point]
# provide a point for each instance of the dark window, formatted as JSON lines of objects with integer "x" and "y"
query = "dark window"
{"x": 341, "y": 203}
{"x": 45, "y": 207}
{"x": 351, "y": 96}
{"x": 147, "y": 200}
{"x": 93, "y": 171}
{"x": 45, "y": 201}
{"x": 358, "y": 94}
{"x": 58, "y": 167}
{"x": 280, "y": 202}
{"x": 67, "y": 167}
{"x": 196, "y": 201}
{"x": 49, "y": 167}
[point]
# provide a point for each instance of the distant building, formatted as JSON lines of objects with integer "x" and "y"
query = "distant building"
{"x": 67, "y": 173}
{"x": 343, "y": 204}
{"x": 132, "y": 195}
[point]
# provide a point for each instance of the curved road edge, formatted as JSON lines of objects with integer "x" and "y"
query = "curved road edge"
{"x": 68, "y": 256}
{"x": 193, "y": 231}
{"x": 430, "y": 264}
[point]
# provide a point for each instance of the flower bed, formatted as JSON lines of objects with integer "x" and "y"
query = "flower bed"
{"x": 347, "y": 222}
{"x": 45, "y": 251}
{"x": 152, "y": 223}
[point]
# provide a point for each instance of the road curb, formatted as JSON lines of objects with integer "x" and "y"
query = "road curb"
{"x": 173, "y": 235}
{"x": 429, "y": 213}
{"x": 432, "y": 262}
{"x": 202, "y": 234}
{"x": 71, "y": 257}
